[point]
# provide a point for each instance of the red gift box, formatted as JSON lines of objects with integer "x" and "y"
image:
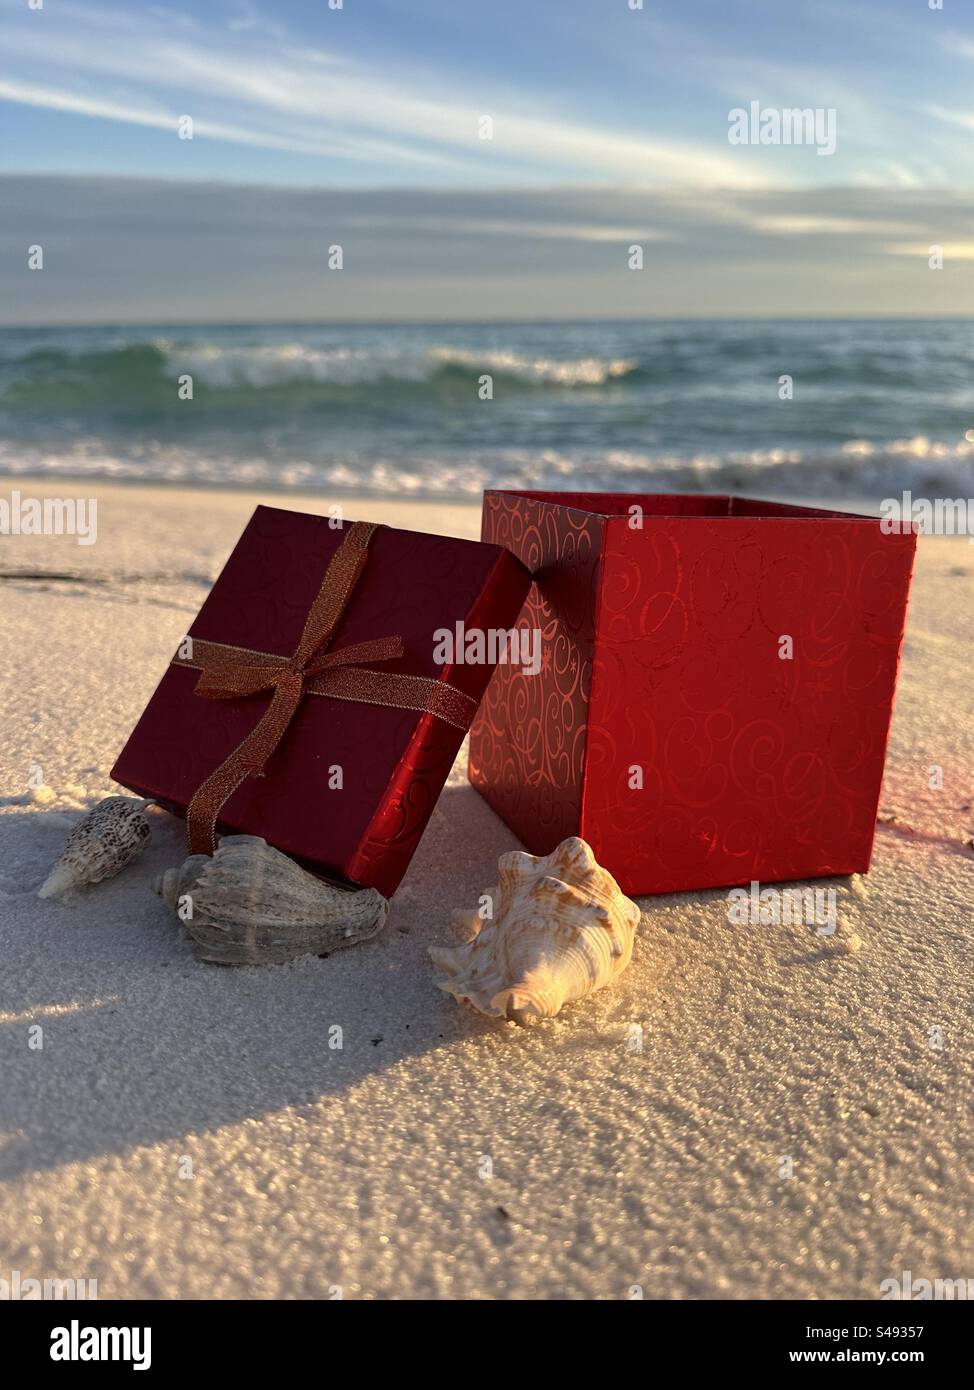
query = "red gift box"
{"x": 363, "y": 824}
{"x": 672, "y": 725}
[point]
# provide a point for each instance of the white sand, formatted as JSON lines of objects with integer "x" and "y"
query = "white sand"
{"x": 362, "y": 1168}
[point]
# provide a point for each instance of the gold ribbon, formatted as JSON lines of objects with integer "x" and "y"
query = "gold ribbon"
{"x": 231, "y": 673}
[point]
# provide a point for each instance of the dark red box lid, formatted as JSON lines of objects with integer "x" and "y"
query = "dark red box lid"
{"x": 393, "y": 762}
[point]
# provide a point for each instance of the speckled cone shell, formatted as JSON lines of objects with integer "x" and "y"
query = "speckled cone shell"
{"x": 249, "y": 904}
{"x": 561, "y": 929}
{"x": 111, "y": 835}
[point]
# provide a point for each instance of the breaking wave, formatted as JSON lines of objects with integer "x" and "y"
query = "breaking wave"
{"x": 859, "y": 470}
{"x": 148, "y": 371}
{"x": 853, "y": 410}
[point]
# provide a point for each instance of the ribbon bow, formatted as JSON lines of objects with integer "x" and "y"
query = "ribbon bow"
{"x": 230, "y": 673}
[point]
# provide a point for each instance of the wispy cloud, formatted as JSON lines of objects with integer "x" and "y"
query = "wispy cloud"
{"x": 951, "y": 250}
{"x": 964, "y": 119}
{"x": 815, "y": 224}
{"x": 240, "y": 87}
{"x": 52, "y": 99}
{"x": 582, "y": 93}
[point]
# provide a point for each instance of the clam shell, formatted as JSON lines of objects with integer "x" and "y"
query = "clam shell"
{"x": 109, "y": 837}
{"x": 249, "y": 904}
{"x": 561, "y": 928}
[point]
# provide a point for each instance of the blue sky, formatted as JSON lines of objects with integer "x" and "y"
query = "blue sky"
{"x": 583, "y": 94}
{"x": 382, "y": 92}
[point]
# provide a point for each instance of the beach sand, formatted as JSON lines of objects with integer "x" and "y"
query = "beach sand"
{"x": 186, "y": 1131}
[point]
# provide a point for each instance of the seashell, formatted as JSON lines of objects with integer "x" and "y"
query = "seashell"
{"x": 562, "y": 928}
{"x": 111, "y": 835}
{"x": 249, "y": 904}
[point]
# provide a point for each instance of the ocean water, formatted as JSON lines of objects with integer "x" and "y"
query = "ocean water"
{"x": 395, "y": 409}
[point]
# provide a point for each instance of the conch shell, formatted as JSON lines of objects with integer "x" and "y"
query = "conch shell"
{"x": 562, "y": 928}
{"x": 111, "y": 835}
{"x": 249, "y": 904}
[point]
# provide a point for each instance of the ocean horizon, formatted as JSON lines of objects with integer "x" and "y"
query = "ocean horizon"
{"x": 813, "y": 407}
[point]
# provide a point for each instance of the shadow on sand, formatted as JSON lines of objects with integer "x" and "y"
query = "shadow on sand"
{"x": 142, "y": 1043}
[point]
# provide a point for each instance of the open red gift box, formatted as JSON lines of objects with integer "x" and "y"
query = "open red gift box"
{"x": 335, "y": 627}
{"x": 715, "y": 690}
